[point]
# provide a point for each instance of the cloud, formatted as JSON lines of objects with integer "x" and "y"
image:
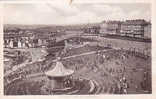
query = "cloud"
{"x": 83, "y": 17}
{"x": 74, "y": 14}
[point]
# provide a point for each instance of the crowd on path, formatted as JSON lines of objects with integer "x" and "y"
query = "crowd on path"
{"x": 113, "y": 62}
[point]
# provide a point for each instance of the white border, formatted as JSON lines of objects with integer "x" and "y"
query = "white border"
{"x": 143, "y": 96}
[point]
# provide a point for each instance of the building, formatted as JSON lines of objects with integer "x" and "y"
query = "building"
{"x": 113, "y": 27}
{"x": 26, "y": 39}
{"x": 45, "y": 39}
{"x": 51, "y": 40}
{"x": 103, "y": 28}
{"x": 147, "y": 30}
{"x": 133, "y": 28}
{"x": 16, "y": 40}
{"x": 92, "y": 29}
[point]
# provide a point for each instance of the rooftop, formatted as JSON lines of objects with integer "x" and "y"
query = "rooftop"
{"x": 59, "y": 70}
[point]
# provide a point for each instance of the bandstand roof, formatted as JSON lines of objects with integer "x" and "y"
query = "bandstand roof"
{"x": 59, "y": 71}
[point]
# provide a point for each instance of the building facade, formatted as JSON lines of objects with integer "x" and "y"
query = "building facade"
{"x": 133, "y": 28}
{"x": 147, "y": 30}
{"x": 92, "y": 29}
{"x": 113, "y": 27}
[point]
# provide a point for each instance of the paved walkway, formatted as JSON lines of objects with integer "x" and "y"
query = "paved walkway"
{"x": 37, "y": 54}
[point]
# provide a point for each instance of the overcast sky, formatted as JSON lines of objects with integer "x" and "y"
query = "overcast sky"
{"x": 46, "y": 13}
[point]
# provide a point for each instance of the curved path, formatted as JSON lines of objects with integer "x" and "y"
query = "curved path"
{"x": 30, "y": 87}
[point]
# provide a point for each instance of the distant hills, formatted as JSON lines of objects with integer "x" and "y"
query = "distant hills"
{"x": 46, "y": 28}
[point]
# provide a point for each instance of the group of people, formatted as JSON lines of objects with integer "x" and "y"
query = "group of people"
{"x": 21, "y": 73}
{"x": 122, "y": 70}
{"x": 114, "y": 62}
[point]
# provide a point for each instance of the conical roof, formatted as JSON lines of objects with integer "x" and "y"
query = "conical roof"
{"x": 59, "y": 71}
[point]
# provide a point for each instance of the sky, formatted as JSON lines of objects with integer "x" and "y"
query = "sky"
{"x": 50, "y": 13}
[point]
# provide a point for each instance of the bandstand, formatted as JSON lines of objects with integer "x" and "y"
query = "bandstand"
{"x": 59, "y": 78}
